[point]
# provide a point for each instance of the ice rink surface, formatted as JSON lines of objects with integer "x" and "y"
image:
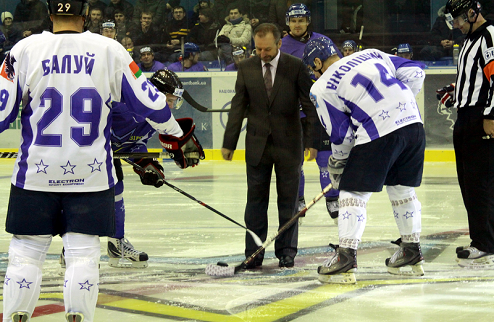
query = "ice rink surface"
{"x": 182, "y": 237}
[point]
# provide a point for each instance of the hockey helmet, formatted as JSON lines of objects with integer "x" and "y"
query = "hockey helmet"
{"x": 404, "y": 49}
{"x": 297, "y": 10}
{"x": 457, "y": 8}
{"x": 321, "y": 48}
{"x": 239, "y": 50}
{"x": 350, "y": 44}
{"x": 67, "y": 7}
{"x": 110, "y": 24}
{"x": 167, "y": 82}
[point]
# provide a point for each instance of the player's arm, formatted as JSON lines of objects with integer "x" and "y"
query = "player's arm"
{"x": 409, "y": 72}
{"x": 10, "y": 92}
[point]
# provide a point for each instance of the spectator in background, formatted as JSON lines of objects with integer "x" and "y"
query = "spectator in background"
{"x": 169, "y": 8}
{"x": 277, "y": 12}
{"x": 32, "y": 17}
{"x": 222, "y": 8}
{"x": 129, "y": 45}
{"x": 176, "y": 28}
{"x": 349, "y": 47}
{"x": 204, "y": 33}
{"x": 202, "y": 4}
{"x": 236, "y": 32}
{"x": 95, "y": 19}
{"x": 351, "y": 14}
{"x": 147, "y": 33}
{"x": 126, "y": 7}
{"x": 257, "y": 11}
{"x": 12, "y": 33}
{"x": 441, "y": 39}
{"x": 125, "y": 26}
{"x": 190, "y": 60}
{"x": 157, "y": 7}
{"x": 238, "y": 54}
{"x": 405, "y": 51}
{"x": 108, "y": 29}
{"x": 148, "y": 64}
{"x": 97, "y": 4}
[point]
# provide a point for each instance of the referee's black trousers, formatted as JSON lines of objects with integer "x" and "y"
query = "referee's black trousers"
{"x": 475, "y": 168}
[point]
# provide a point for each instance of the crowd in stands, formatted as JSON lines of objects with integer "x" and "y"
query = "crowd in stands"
{"x": 215, "y": 30}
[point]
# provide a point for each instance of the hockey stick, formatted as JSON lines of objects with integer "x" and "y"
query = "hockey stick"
{"x": 256, "y": 238}
{"x": 222, "y": 268}
{"x": 198, "y": 106}
{"x": 133, "y": 155}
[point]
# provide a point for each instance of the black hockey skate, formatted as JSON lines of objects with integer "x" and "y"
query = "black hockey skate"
{"x": 333, "y": 207}
{"x": 122, "y": 254}
{"x": 407, "y": 260}
{"x": 472, "y": 257}
{"x": 340, "y": 268}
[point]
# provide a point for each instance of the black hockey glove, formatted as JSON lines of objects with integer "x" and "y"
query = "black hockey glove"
{"x": 151, "y": 172}
{"x": 447, "y": 95}
{"x": 222, "y": 39}
{"x": 186, "y": 151}
{"x": 335, "y": 169}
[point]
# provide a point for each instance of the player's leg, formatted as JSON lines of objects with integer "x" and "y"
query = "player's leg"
{"x": 408, "y": 259}
{"x": 22, "y": 284}
{"x": 340, "y": 267}
{"x": 121, "y": 252}
{"x": 81, "y": 284}
{"x": 332, "y": 204}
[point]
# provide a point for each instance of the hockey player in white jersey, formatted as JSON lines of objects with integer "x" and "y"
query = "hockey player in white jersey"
{"x": 63, "y": 180}
{"x": 366, "y": 102}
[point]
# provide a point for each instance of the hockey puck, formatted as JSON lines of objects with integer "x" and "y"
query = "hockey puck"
{"x": 222, "y": 264}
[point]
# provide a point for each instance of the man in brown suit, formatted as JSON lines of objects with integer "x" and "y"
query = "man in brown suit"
{"x": 274, "y": 136}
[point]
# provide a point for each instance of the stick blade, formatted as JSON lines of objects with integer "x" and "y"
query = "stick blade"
{"x": 220, "y": 271}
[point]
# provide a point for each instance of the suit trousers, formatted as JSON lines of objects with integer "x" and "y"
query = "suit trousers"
{"x": 475, "y": 168}
{"x": 287, "y": 173}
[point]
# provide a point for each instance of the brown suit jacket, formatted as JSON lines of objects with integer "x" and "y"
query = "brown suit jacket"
{"x": 278, "y": 116}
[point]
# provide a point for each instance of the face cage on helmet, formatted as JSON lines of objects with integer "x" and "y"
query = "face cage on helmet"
{"x": 450, "y": 21}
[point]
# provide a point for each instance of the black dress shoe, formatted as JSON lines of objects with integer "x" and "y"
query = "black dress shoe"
{"x": 286, "y": 261}
{"x": 257, "y": 262}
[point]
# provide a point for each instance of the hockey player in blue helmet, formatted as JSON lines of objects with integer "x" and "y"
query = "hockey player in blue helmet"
{"x": 349, "y": 47}
{"x": 298, "y": 18}
{"x": 405, "y": 51}
{"x": 355, "y": 111}
{"x": 189, "y": 60}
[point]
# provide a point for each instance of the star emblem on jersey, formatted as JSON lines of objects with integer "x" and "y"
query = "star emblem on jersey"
{"x": 346, "y": 215}
{"x": 402, "y": 107}
{"x": 384, "y": 115}
{"x": 65, "y": 283}
{"x": 68, "y": 168}
{"x": 396, "y": 214}
{"x": 408, "y": 215}
{"x": 85, "y": 285}
{"x": 41, "y": 167}
{"x": 360, "y": 217}
{"x": 419, "y": 74}
{"x": 336, "y": 152}
{"x": 95, "y": 166}
{"x": 351, "y": 137}
{"x": 325, "y": 174}
{"x": 6, "y": 281}
{"x": 24, "y": 284}
{"x": 414, "y": 105}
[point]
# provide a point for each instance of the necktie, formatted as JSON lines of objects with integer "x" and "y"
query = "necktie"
{"x": 268, "y": 80}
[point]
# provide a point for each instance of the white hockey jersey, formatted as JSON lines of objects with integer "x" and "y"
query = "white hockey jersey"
{"x": 66, "y": 83}
{"x": 365, "y": 96}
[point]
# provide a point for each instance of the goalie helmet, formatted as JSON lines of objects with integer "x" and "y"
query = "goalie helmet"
{"x": 168, "y": 82}
{"x": 321, "y": 48}
{"x": 297, "y": 10}
{"x": 67, "y": 7}
{"x": 457, "y": 8}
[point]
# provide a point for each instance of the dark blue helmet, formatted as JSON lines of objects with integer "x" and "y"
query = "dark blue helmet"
{"x": 297, "y": 10}
{"x": 321, "y": 48}
{"x": 351, "y": 44}
{"x": 404, "y": 49}
{"x": 67, "y": 7}
{"x": 190, "y": 47}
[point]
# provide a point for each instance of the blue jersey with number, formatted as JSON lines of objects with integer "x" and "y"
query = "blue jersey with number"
{"x": 365, "y": 96}
{"x": 66, "y": 83}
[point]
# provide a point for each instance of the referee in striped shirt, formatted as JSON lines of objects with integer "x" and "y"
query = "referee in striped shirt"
{"x": 473, "y": 134}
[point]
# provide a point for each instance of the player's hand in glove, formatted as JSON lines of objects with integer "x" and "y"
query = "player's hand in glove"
{"x": 335, "y": 169}
{"x": 447, "y": 95}
{"x": 186, "y": 151}
{"x": 222, "y": 39}
{"x": 151, "y": 172}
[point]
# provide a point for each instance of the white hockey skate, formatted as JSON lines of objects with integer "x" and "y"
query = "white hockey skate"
{"x": 122, "y": 254}
{"x": 19, "y": 317}
{"x": 471, "y": 257}
{"x": 407, "y": 260}
{"x": 340, "y": 268}
{"x": 333, "y": 206}
{"x": 74, "y": 317}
